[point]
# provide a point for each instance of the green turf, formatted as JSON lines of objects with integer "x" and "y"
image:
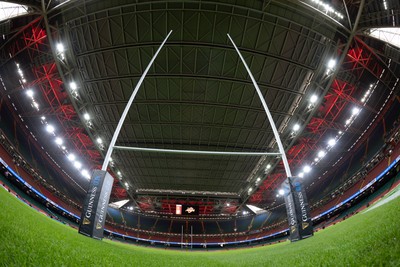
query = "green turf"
{"x": 30, "y": 238}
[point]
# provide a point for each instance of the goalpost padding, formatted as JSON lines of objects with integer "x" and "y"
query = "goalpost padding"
{"x": 95, "y": 207}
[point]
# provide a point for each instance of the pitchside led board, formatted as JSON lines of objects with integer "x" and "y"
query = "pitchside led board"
{"x": 186, "y": 210}
{"x": 298, "y": 212}
{"x": 95, "y": 207}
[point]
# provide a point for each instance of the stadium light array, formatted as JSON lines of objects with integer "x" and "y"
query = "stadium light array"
{"x": 328, "y": 9}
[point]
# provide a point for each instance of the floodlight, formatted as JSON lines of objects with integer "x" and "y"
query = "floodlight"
{"x": 71, "y": 157}
{"x": 50, "y": 128}
{"x": 355, "y": 111}
{"x": 86, "y": 116}
{"x": 313, "y": 99}
{"x": 321, "y": 153}
{"x": 281, "y": 192}
{"x": 99, "y": 140}
{"x": 85, "y": 173}
{"x": 73, "y": 85}
{"x": 331, "y": 64}
{"x": 29, "y": 92}
{"x": 60, "y": 47}
{"x": 296, "y": 127}
{"x": 59, "y": 141}
{"x": 332, "y": 142}
{"x": 77, "y": 164}
{"x": 307, "y": 169}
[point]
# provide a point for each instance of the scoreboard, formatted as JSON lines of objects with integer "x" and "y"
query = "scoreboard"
{"x": 186, "y": 209}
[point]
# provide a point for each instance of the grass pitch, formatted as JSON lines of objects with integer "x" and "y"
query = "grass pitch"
{"x": 28, "y": 238}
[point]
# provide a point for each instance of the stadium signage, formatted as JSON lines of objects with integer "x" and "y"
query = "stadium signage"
{"x": 90, "y": 206}
{"x": 297, "y": 209}
{"x": 95, "y": 205}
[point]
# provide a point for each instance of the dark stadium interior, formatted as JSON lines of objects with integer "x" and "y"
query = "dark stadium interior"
{"x": 331, "y": 85}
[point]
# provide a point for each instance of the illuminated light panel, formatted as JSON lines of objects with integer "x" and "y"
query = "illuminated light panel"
{"x": 281, "y": 192}
{"x": 296, "y": 127}
{"x": 59, "y": 141}
{"x": 29, "y": 93}
{"x": 60, "y": 47}
{"x": 77, "y": 164}
{"x": 86, "y": 116}
{"x": 71, "y": 157}
{"x": 355, "y": 111}
{"x": 50, "y": 128}
{"x": 313, "y": 99}
{"x": 73, "y": 85}
{"x": 331, "y": 64}
{"x": 307, "y": 169}
{"x": 332, "y": 142}
{"x": 85, "y": 173}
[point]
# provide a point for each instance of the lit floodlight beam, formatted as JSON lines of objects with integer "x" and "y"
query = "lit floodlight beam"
{"x": 271, "y": 121}
{"x": 122, "y": 119}
{"x": 178, "y": 151}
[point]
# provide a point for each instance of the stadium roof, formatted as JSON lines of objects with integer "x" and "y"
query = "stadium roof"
{"x": 321, "y": 73}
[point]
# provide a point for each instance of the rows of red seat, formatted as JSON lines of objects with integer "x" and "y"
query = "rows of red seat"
{"x": 382, "y": 165}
